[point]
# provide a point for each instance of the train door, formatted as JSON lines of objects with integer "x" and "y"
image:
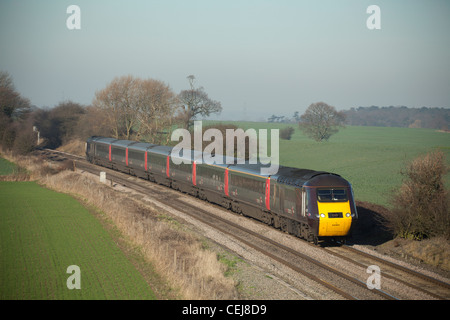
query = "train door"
{"x": 298, "y": 202}
{"x": 281, "y": 199}
{"x": 304, "y": 209}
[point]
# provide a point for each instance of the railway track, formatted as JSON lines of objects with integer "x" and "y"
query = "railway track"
{"x": 339, "y": 282}
{"x": 420, "y": 282}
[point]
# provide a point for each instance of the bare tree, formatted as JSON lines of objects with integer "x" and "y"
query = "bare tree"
{"x": 156, "y": 109}
{"x": 136, "y": 106}
{"x": 6, "y": 80}
{"x": 93, "y": 122}
{"x": 12, "y": 105}
{"x": 320, "y": 121}
{"x": 195, "y": 101}
{"x": 119, "y": 101}
{"x": 60, "y": 124}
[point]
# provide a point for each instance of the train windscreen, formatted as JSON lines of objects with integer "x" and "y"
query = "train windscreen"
{"x": 332, "y": 195}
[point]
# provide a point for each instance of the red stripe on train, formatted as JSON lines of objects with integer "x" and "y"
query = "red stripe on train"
{"x": 194, "y": 173}
{"x": 167, "y": 166}
{"x": 226, "y": 182}
{"x": 268, "y": 193}
{"x": 145, "y": 160}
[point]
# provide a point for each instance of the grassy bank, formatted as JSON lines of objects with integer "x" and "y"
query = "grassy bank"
{"x": 6, "y": 167}
{"x": 178, "y": 255}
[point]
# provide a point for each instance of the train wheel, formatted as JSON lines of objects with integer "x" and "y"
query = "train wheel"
{"x": 316, "y": 240}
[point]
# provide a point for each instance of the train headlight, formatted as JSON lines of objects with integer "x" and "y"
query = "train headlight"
{"x": 322, "y": 215}
{"x": 347, "y": 215}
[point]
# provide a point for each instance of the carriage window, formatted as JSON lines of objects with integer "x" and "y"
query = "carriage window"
{"x": 101, "y": 149}
{"x": 331, "y": 195}
{"x": 135, "y": 155}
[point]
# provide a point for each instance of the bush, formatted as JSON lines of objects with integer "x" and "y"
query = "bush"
{"x": 9, "y": 135}
{"x": 60, "y": 124}
{"x": 25, "y": 142}
{"x": 421, "y": 205}
{"x": 286, "y": 133}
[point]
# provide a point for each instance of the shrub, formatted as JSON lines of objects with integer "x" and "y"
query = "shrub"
{"x": 286, "y": 133}
{"x": 9, "y": 135}
{"x": 25, "y": 142}
{"x": 421, "y": 205}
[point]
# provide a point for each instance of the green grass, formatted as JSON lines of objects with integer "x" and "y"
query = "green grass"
{"x": 42, "y": 232}
{"x": 6, "y": 167}
{"x": 369, "y": 157}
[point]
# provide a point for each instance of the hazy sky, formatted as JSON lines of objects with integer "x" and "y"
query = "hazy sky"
{"x": 256, "y": 57}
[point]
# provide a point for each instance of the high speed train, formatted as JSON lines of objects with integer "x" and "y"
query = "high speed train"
{"x": 314, "y": 205}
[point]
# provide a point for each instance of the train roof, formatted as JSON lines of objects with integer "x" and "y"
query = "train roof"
{"x": 300, "y": 177}
{"x": 122, "y": 143}
{"x": 186, "y": 154}
{"x": 102, "y": 139}
{"x": 327, "y": 180}
{"x": 249, "y": 168}
{"x": 142, "y": 146}
{"x": 285, "y": 175}
{"x": 163, "y": 150}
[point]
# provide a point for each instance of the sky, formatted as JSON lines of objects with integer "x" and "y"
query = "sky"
{"x": 257, "y": 58}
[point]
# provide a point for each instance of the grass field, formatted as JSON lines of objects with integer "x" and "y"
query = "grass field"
{"x": 6, "y": 167}
{"x": 369, "y": 157}
{"x": 42, "y": 232}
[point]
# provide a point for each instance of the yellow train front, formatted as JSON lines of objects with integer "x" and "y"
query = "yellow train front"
{"x": 316, "y": 205}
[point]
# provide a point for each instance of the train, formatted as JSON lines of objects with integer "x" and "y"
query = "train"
{"x": 314, "y": 205}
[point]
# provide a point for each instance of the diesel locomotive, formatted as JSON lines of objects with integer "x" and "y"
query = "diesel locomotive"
{"x": 314, "y": 205}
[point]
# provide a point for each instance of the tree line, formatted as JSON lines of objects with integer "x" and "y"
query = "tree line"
{"x": 432, "y": 118}
{"x": 320, "y": 120}
{"x": 127, "y": 108}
